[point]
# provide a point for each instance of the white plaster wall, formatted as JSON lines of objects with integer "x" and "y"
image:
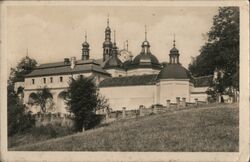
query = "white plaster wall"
{"x": 39, "y": 83}
{"x": 199, "y": 93}
{"x": 130, "y": 97}
{"x": 199, "y": 96}
{"x": 56, "y": 87}
{"x": 116, "y": 72}
{"x": 170, "y": 89}
{"x": 142, "y": 71}
{"x": 199, "y": 89}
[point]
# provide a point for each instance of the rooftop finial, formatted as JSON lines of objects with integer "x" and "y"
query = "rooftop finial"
{"x": 114, "y": 36}
{"x": 27, "y": 52}
{"x": 85, "y": 36}
{"x": 145, "y": 32}
{"x": 108, "y": 20}
{"x": 127, "y": 44}
{"x": 174, "y": 40}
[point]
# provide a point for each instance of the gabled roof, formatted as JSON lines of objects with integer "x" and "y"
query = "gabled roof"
{"x": 129, "y": 81}
{"x": 59, "y": 68}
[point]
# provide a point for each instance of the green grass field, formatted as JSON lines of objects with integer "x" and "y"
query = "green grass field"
{"x": 214, "y": 129}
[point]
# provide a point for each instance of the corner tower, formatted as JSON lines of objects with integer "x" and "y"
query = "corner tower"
{"x": 107, "y": 44}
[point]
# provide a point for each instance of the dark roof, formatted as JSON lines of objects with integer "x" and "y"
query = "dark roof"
{"x": 174, "y": 71}
{"x": 129, "y": 81}
{"x": 203, "y": 81}
{"x": 82, "y": 66}
{"x": 145, "y": 58}
{"x": 114, "y": 61}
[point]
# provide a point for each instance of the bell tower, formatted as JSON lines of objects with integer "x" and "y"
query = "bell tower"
{"x": 174, "y": 54}
{"x": 107, "y": 44}
{"x": 85, "y": 49}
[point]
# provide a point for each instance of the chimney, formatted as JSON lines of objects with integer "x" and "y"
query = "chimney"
{"x": 73, "y": 62}
{"x": 66, "y": 61}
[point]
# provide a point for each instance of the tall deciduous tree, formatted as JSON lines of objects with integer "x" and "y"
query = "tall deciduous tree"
{"x": 221, "y": 51}
{"x": 19, "y": 119}
{"x": 83, "y": 99}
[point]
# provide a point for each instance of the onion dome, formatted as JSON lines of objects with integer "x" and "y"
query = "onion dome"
{"x": 174, "y": 71}
{"x": 85, "y": 49}
{"x": 146, "y": 58}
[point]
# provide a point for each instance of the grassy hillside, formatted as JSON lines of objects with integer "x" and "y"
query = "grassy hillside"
{"x": 204, "y": 129}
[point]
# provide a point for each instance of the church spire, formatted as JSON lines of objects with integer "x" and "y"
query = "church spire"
{"x": 107, "y": 44}
{"x": 145, "y": 32}
{"x": 85, "y": 48}
{"x": 114, "y": 48}
{"x": 174, "y": 54}
{"x": 108, "y": 21}
{"x": 145, "y": 44}
{"x": 174, "y": 41}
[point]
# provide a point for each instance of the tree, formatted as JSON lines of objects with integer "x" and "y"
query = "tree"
{"x": 24, "y": 67}
{"x": 83, "y": 100}
{"x": 43, "y": 96}
{"x": 19, "y": 119}
{"x": 221, "y": 51}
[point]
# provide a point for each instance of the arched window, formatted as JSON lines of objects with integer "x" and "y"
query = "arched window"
{"x": 33, "y": 81}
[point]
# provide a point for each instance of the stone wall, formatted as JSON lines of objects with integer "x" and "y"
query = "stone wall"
{"x": 54, "y": 119}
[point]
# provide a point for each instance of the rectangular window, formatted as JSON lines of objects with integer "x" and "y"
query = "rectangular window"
{"x": 44, "y": 80}
{"x": 33, "y": 81}
{"x": 61, "y": 79}
{"x": 51, "y": 80}
{"x": 81, "y": 76}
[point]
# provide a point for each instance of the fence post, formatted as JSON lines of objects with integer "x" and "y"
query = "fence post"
{"x": 141, "y": 111}
{"x": 196, "y": 102}
{"x": 168, "y": 104}
{"x": 178, "y": 102}
{"x": 123, "y": 112}
{"x": 155, "y": 109}
{"x": 184, "y": 102}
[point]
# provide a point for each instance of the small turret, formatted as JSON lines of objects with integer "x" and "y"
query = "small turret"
{"x": 174, "y": 54}
{"x": 85, "y": 49}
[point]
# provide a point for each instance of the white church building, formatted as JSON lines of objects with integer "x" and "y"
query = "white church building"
{"x": 126, "y": 81}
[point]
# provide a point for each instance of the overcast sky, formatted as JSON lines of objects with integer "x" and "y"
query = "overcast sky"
{"x": 51, "y": 33}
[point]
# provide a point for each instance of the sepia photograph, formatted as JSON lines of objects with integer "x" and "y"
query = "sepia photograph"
{"x": 123, "y": 78}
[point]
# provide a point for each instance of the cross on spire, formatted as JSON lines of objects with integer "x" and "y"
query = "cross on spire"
{"x": 145, "y": 32}
{"x": 27, "y": 52}
{"x": 174, "y": 41}
{"x": 108, "y": 20}
{"x": 127, "y": 44}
